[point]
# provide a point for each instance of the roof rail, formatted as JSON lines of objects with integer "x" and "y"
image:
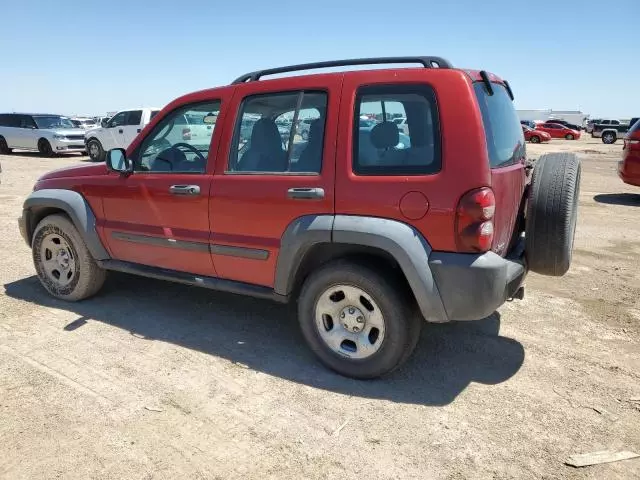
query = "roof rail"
{"x": 427, "y": 62}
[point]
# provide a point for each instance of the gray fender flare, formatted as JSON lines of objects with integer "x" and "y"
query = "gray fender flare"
{"x": 76, "y": 207}
{"x": 403, "y": 242}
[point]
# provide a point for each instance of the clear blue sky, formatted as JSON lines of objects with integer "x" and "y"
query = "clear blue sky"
{"x": 90, "y": 57}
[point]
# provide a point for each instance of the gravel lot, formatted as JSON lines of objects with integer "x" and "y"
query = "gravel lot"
{"x": 155, "y": 380}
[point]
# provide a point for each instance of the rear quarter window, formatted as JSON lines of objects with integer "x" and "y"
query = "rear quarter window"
{"x": 505, "y": 139}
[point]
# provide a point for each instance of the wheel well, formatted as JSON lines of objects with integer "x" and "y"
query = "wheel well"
{"x": 323, "y": 253}
{"x": 36, "y": 216}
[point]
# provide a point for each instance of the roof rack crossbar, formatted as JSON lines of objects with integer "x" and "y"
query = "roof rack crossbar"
{"x": 427, "y": 62}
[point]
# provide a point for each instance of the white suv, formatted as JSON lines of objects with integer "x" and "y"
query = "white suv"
{"x": 48, "y": 134}
{"x": 118, "y": 132}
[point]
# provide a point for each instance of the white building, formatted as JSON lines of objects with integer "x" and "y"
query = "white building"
{"x": 572, "y": 116}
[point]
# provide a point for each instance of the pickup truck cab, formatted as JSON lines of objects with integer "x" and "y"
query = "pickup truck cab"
{"x": 118, "y": 132}
{"x": 609, "y": 130}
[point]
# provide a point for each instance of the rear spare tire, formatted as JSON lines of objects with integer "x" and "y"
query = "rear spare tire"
{"x": 552, "y": 213}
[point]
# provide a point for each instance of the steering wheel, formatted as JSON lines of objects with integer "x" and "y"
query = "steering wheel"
{"x": 190, "y": 148}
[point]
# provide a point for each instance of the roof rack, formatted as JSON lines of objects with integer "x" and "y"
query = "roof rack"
{"x": 427, "y": 62}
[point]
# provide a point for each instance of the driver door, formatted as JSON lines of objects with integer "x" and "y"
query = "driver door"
{"x": 159, "y": 215}
{"x": 114, "y": 133}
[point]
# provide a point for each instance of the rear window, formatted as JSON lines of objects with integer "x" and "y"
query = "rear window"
{"x": 505, "y": 140}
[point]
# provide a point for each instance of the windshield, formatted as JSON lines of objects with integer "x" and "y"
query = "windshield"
{"x": 48, "y": 122}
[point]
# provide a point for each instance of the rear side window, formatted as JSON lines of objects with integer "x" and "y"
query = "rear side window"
{"x": 280, "y": 133}
{"x": 9, "y": 120}
{"x": 381, "y": 146}
{"x": 134, "y": 117}
{"x": 505, "y": 140}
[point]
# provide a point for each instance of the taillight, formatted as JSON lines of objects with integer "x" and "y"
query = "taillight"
{"x": 186, "y": 134}
{"x": 474, "y": 220}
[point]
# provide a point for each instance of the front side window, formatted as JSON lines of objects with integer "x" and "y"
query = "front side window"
{"x": 46, "y": 122}
{"x": 505, "y": 139}
{"x": 180, "y": 142}
{"x": 118, "y": 120}
{"x": 382, "y": 147}
{"x": 279, "y": 133}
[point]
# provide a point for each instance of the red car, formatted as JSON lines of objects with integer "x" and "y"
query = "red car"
{"x": 629, "y": 166}
{"x": 557, "y": 130}
{"x": 535, "y": 136}
{"x": 369, "y": 234}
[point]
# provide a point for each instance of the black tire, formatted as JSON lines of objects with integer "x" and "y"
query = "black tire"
{"x": 552, "y": 211}
{"x": 569, "y": 136}
{"x": 44, "y": 147}
{"x": 535, "y": 139}
{"x": 95, "y": 151}
{"x": 87, "y": 278}
{"x": 402, "y": 322}
{"x": 4, "y": 148}
{"x": 609, "y": 138}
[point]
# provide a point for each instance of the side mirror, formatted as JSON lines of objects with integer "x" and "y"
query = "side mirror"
{"x": 104, "y": 122}
{"x": 117, "y": 161}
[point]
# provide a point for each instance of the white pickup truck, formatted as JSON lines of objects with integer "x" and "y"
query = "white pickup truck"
{"x": 118, "y": 132}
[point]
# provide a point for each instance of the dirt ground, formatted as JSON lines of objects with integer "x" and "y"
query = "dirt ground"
{"x": 155, "y": 380}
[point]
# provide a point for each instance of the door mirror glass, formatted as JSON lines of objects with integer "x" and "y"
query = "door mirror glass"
{"x": 104, "y": 122}
{"x": 117, "y": 161}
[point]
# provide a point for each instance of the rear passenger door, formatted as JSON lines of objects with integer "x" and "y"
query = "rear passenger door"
{"x": 267, "y": 175}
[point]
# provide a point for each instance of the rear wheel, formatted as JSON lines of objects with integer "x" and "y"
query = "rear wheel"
{"x": 357, "y": 323}
{"x": 95, "y": 150}
{"x": 552, "y": 212}
{"x": 44, "y": 147}
{"x": 4, "y": 148}
{"x": 609, "y": 138}
{"x": 535, "y": 139}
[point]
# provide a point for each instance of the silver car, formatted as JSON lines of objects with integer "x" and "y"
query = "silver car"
{"x": 47, "y": 134}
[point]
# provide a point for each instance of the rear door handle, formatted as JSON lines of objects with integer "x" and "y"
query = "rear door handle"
{"x": 120, "y": 131}
{"x": 184, "y": 189}
{"x": 305, "y": 193}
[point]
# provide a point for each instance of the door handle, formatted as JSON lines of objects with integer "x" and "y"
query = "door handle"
{"x": 184, "y": 189}
{"x": 305, "y": 193}
{"x": 120, "y": 131}
{"x": 139, "y": 130}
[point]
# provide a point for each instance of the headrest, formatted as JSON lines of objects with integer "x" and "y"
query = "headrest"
{"x": 385, "y": 135}
{"x": 316, "y": 130}
{"x": 265, "y": 134}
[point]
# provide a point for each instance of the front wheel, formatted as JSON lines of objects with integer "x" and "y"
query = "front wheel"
{"x": 95, "y": 150}
{"x": 63, "y": 263}
{"x": 44, "y": 147}
{"x": 569, "y": 136}
{"x": 535, "y": 139}
{"x": 357, "y": 323}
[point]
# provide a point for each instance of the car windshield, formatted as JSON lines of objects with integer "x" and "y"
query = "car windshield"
{"x": 48, "y": 122}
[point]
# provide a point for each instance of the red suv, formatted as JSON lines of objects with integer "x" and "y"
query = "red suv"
{"x": 370, "y": 230}
{"x": 629, "y": 166}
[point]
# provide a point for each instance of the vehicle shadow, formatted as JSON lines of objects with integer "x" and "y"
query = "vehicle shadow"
{"x": 265, "y": 336}
{"x": 626, "y": 199}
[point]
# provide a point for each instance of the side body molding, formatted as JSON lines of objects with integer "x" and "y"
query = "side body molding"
{"x": 75, "y": 206}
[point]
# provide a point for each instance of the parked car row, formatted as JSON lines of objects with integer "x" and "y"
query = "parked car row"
{"x": 536, "y": 132}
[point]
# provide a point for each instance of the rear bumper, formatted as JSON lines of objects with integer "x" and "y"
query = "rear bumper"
{"x": 473, "y": 286}
{"x": 628, "y": 174}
